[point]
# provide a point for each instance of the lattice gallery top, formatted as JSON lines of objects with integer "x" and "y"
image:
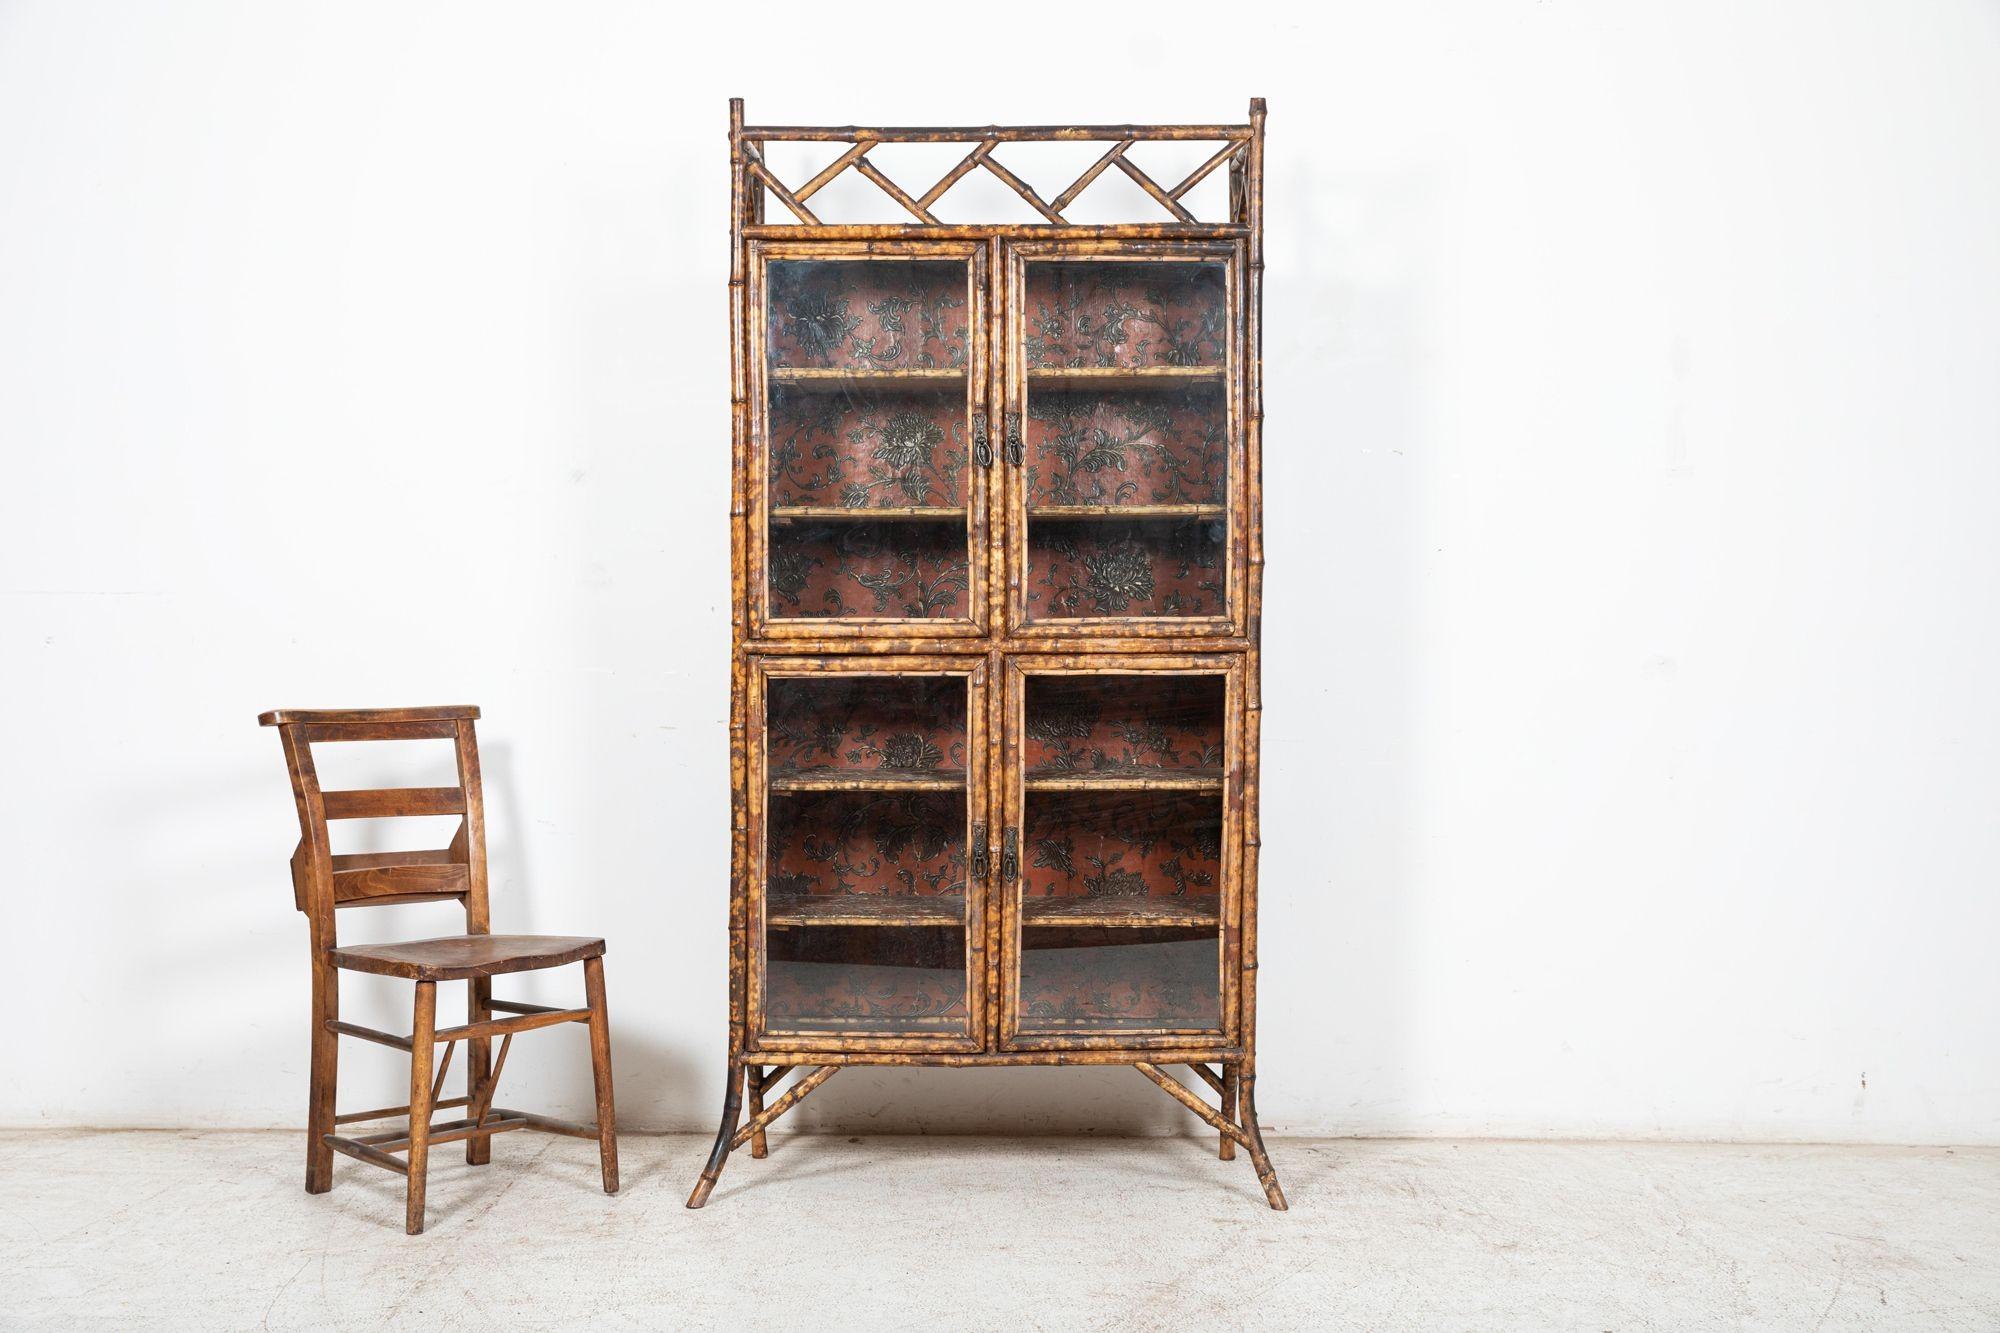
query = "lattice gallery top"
{"x": 1234, "y": 145}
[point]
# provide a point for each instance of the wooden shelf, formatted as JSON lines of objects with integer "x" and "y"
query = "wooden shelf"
{"x": 839, "y": 514}
{"x": 862, "y": 909}
{"x": 870, "y": 779}
{"x": 1165, "y": 779}
{"x": 820, "y": 379}
{"x": 1185, "y": 511}
{"x": 1122, "y": 377}
{"x": 1203, "y": 909}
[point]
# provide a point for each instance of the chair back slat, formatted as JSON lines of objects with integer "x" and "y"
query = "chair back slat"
{"x": 437, "y": 881}
{"x": 323, "y": 881}
{"x": 393, "y": 802}
{"x": 379, "y": 731}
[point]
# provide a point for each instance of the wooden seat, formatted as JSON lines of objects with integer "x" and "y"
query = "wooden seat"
{"x": 462, "y": 957}
{"x": 324, "y": 883}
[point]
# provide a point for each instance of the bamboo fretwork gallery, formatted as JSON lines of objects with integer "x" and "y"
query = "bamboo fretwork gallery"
{"x": 996, "y": 585}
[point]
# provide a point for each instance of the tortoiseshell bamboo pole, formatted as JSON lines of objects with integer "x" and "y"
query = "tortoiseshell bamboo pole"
{"x": 1227, "y": 1152}
{"x": 797, "y": 1093}
{"x": 754, "y": 1075}
{"x": 1254, "y": 709}
{"x": 1012, "y": 231}
{"x": 740, "y": 209}
{"x": 1174, "y": 1088}
{"x": 732, "y": 1103}
{"x": 998, "y": 133}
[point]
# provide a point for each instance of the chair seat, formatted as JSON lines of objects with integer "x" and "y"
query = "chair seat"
{"x": 458, "y": 957}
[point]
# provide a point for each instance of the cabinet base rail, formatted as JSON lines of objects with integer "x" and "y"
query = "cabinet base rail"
{"x": 1235, "y": 1121}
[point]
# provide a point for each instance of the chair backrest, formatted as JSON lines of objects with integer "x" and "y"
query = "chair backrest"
{"x": 323, "y": 882}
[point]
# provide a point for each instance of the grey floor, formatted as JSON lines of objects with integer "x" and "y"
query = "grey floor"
{"x": 212, "y": 1230}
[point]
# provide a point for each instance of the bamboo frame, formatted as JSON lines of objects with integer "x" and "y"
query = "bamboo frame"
{"x": 994, "y": 650}
{"x": 757, "y": 375}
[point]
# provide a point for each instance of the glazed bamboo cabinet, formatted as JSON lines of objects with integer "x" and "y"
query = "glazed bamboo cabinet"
{"x": 997, "y": 571}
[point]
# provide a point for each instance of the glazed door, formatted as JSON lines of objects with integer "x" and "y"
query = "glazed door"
{"x": 1123, "y": 439}
{"x": 868, "y": 385}
{"x": 868, "y": 854}
{"x": 1122, "y": 783}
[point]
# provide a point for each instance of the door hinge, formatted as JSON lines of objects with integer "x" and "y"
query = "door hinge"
{"x": 1010, "y": 856}
{"x": 1016, "y": 452}
{"x": 982, "y": 448}
{"x": 979, "y": 851}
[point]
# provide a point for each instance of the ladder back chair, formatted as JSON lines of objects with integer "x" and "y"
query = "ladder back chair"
{"x": 325, "y": 884}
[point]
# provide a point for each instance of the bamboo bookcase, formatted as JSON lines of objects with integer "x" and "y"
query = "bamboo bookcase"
{"x": 996, "y": 587}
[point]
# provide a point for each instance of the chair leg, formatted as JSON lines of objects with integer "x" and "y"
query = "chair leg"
{"x": 1228, "y": 1150}
{"x": 323, "y": 1079}
{"x": 755, "y": 1076}
{"x": 600, "y": 1071}
{"x": 732, "y": 1103}
{"x": 478, "y": 1061}
{"x": 423, "y": 1043}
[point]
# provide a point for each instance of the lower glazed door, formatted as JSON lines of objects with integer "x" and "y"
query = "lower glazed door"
{"x": 1121, "y": 842}
{"x": 867, "y": 843}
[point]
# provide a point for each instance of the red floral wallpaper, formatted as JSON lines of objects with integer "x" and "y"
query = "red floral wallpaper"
{"x": 1150, "y": 567}
{"x": 1110, "y": 724}
{"x": 915, "y": 570}
{"x": 1128, "y": 448}
{"x": 899, "y": 843}
{"x": 910, "y": 724}
{"x": 1083, "y": 314}
{"x": 868, "y": 314}
{"x": 1122, "y": 844}
{"x": 868, "y": 450}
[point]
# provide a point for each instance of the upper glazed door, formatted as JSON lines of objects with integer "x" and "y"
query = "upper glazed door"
{"x": 1123, "y": 439}
{"x": 868, "y": 420}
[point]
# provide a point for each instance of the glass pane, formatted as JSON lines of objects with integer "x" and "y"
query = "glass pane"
{"x": 1121, "y": 875}
{"x": 868, "y": 439}
{"x": 864, "y": 900}
{"x": 1127, "y": 439}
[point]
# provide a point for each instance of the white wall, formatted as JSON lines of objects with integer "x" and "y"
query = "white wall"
{"x": 1634, "y": 449}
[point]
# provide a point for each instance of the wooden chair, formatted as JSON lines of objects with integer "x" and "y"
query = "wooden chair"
{"x": 324, "y": 884}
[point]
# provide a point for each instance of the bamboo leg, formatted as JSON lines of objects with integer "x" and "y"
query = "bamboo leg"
{"x": 1228, "y": 1150}
{"x": 324, "y": 1077}
{"x": 732, "y": 1103}
{"x": 478, "y": 1060}
{"x": 1247, "y": 1087}
{"x": 423, "y": 1042}
{"x": 757, "y": 1076}
{"x": 600, "y": 1071}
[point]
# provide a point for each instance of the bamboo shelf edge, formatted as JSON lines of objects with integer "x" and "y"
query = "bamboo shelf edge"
{"x": 856, "y": 909}
{"x": 1192, "y": 910}
{"x": 1162, "y": 780}
{"x": 837, "y": 379}
{"x": 843, "y": 513}
{"x": 1064, "y": 379}
{"x": 794, "y": 911}
{"x": 1133, "y": 511}
{"x": 870, "y": 780}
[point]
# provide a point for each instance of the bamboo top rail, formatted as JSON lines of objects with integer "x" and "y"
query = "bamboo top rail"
{"x": 1236, "y": 144}
{"x": 975, "y": 133}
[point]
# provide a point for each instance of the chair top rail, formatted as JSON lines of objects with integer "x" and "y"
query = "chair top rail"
{"x": 287, "y": 717}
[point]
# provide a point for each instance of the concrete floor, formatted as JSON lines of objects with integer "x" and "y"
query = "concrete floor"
{"x": 187, "y": 1230}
